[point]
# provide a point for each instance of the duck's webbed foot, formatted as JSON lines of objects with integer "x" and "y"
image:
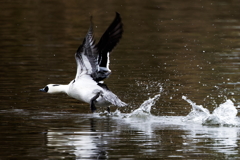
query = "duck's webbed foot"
{"x": 92, "y": 102}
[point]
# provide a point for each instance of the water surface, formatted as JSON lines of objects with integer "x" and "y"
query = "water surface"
{"x": 188, "y": 48}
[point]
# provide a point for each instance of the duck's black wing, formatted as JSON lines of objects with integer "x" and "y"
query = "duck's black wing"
{"x": 106, "y": 44}
{"x": 93, "y": 59}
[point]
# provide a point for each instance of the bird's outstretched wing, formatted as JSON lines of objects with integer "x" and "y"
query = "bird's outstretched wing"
{"x": 93, "y": 59}
{"x": 87, "y": 55}
{"x": 109, "y": 40}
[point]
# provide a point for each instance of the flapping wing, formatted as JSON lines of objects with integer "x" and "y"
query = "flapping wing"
{"x": 109, "y": 40}
{"x": 87, "y": 56}
{"x": 94, "y": 59}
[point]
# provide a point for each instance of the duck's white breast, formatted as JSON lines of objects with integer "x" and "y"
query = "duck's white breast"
{"x": 83, "y": 89}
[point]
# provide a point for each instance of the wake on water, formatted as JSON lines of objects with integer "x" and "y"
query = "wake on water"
{"x": 224, "y": 115}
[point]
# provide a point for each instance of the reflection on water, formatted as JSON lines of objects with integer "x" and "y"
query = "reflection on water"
{"x": 125, "y": 138}
{"x": 81, "y": 144}
{"x": 189, "y": 49}
{"x": 130, "y": 135}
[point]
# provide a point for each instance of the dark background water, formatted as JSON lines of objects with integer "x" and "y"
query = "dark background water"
{"x": 190, "y": 48}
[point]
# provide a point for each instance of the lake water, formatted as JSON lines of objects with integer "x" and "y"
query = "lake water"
{"x": 177, "y": 66}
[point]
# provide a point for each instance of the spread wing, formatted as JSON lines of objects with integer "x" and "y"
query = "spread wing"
{"x": 93, "y": 59}
{"x": 87, "y": 56}
{"x": 108, "y": 41}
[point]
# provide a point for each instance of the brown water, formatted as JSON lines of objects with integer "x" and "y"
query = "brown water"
{"x": 190, "y": 48}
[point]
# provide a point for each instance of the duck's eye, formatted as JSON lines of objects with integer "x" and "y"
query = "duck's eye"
{"x": 46, "y": 89}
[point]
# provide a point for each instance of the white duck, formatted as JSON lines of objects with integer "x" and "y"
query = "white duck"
{"x": 93, "y": 67}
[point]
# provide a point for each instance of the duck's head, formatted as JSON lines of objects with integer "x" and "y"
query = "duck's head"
{"x": 51, "y": 88}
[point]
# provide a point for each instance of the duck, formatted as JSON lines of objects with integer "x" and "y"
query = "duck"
{"x": 92, "y": 68}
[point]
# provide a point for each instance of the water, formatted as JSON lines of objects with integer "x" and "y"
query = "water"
{"x": 225, "y": 114}
{"x": 177, "y": 66}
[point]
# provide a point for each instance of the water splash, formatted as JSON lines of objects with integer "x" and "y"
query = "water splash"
{"x": 224, "y": 115}
{"x": 198, "y": 112}
{"x": 144, "y": 111}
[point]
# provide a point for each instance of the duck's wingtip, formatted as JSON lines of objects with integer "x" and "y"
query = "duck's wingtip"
{"x": 121, "y": 104}
{"x": 117, "y": 14}
{"x": 124, "y": 104}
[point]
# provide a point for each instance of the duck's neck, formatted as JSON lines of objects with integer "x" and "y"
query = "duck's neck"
{"x": 61, "y": 89}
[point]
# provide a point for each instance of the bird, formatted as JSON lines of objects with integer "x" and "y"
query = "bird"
{"x": 92, "y": 68}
